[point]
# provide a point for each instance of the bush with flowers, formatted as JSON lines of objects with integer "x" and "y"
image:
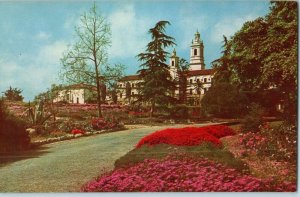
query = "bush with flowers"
{"x": 188, "y": 136}
{"x": 278, "y": 143}
{"x": 101, "y": 124}
{"x": 182, "y": 174}
{"x": 77, "y": 131}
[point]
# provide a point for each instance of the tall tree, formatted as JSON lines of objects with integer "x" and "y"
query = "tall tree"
{"x": 157, "y": 85}
{"x": 224, "y": 98}
{"x": 86, "y": 60}
{"x": 13, "y": 94}
{"x": 264, "y": 53}
{"x": 183, "y": 68}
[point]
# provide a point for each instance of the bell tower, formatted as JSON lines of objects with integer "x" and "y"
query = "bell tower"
{"x": 174, "y": 64}
{"x": 197, "y": 53}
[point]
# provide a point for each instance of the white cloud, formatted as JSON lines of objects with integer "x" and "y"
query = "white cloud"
{"x": 43, "y": 35}
{"x": 33, "y": 73}
{"x": 128, "y": 32}
{"x": 189, "y": 24}
{"x": 228, "y": 26}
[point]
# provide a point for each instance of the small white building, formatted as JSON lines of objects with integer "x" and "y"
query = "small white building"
{"x": 76, "y": 94}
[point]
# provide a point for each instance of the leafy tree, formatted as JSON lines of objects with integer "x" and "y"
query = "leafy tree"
{"x": 86, "y": 60}
{"x": 157, "y": 85}
{"x": 264, "y": 53}
{"x": 183, "y": 68}
{"x": 13, "y": 94}
{"x": 222, "y": 66}
{"x": 224, "y": 98}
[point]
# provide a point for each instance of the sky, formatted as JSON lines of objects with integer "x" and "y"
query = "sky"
{"x": 34, "y": 34}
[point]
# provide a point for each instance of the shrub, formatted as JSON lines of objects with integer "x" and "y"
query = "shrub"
{"x": 254, "y": 119}
{"x": 188, "y": 136}
{"x": 101, "y": 123}
{"x": 77, "y": 131}
{"x": 219, "y": 131}
{"x": 13, "y": 134}
{"x": 224, "y": 100}
{"x": 278, "y": 143}
{"x": 179, "y": 112}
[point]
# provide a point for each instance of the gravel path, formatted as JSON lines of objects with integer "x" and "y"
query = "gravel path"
{"x": 65, "y": 166}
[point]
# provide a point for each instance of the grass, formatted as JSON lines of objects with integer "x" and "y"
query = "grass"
{"x": 162, "y": 150}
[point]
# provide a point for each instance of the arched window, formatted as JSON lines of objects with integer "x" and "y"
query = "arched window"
{"x": 205, "y": 80}
{"x": 195, "y": 51}
{"x": 173, "y": 63}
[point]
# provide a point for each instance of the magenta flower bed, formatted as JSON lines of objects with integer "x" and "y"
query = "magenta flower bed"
{"x": 188, "y": 136}
{"x": 185, "y": 175}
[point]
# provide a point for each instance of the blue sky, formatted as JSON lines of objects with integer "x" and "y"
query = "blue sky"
{"x": 34, "y": 34}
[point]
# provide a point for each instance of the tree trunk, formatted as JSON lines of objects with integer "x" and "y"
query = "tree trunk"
{"x": 98, "y": 93}
{"x": 152, "y": 109}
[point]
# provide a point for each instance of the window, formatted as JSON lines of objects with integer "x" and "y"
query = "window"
{"x": 205, "y": 80}
{"x": 191, "y": 80}
{"x": 132, "y": 85}
{"x": 198, "y": 81}
{"x": 195, "y": 51}
{"x": 120, "y": 95}
{"x": 173, "y": 63}
{"x": 77, "y": 100}
{"x": 120, "y": 85}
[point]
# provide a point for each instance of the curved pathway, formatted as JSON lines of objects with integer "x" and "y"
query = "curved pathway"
{"x": 65, "y": 166}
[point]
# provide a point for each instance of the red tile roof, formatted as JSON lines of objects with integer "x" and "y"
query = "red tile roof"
{"x": 81, "y": 86}
{"x": 130, "y": 78}
{"x": 200, "y": 72}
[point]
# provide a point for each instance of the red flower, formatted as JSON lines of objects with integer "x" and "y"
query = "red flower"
{"x": 77, "y": 131}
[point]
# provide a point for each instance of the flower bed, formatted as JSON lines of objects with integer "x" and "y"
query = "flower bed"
{"x": 184, "y": 175}
{"x": 101, "y": 123}
{"x": 77, "y": 131}
{"x": 188, "y": 136}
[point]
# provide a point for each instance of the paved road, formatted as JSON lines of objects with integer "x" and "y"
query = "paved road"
{"x": 65, "y": 166}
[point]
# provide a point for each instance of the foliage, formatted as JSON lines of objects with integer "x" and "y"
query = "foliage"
{"x": 13, "y": 94}
{"x": 254, "y": 119}
{"x": 77, "y": 131}
{"x": 224, "y": 100}
{"x": 13, "y": 135}
{"x": 278, "y": 143}
{"x": 101, "y": 123}
{"x": 264, "y": 53}
{"x": 181, "y": 174}
{"x": 86, "y": 61}
{"x": 157, "y": 85}
{"x": 179, "y": 112}
{"x": 188, "y": 136}
{"x": 50, "y": 94}
{"x": 183, "y": 67}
